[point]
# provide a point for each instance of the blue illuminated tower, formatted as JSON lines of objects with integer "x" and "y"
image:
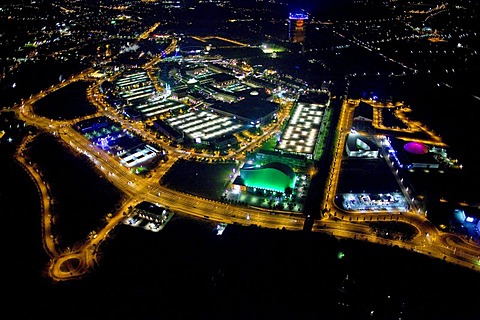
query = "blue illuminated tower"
{"x": 297, "y": 26}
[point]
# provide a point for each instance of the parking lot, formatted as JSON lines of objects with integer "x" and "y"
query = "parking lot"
{"x": 374, "y": 202}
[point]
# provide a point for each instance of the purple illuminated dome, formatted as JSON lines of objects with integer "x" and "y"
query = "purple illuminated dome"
{"x": 415, "y": 148}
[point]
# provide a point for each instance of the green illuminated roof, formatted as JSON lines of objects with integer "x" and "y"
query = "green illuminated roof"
{"x": 273, "y": 176}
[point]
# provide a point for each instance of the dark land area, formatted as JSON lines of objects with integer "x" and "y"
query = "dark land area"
{"x": 199, "y": 178}
{"x": 66, "y": 104}
{"x": 187, "y": 271}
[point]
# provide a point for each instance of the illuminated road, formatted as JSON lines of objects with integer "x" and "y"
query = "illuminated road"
{"x": 342, "y": 223}
{"x": 81, "y": 259}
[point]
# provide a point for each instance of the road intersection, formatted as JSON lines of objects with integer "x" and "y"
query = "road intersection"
{"x": 80, "y": 260}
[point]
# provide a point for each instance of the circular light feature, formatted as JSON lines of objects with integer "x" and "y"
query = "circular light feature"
{"x": 415, "y": 148}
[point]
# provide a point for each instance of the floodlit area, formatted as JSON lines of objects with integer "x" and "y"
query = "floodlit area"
{"x": 130, "y": 150}
{"x": 220, "y": 228}
{"x": 133, "y": 95}
{"x": 152, "y": 221}
{"x": 301, "y": 132}
{"x": 235, "y": 87}
{"x": 154, "y": 107}
{"x": 204, "y": 125}
{"x": 135, "y": 86}
{"x": 374, "y": 202}
{"x": 139, "y": 155}
{"x": 139, "y": 222}
{"x": 132, "y": 79}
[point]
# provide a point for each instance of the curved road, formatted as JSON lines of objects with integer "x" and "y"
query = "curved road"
{"x": 82, "y": 259}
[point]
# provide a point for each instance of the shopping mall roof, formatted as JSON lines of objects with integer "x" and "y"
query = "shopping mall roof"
{"x": 253, "y": 105}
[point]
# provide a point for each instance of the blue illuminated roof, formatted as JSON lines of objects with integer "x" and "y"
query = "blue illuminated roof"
{"x": 298, "y": 16}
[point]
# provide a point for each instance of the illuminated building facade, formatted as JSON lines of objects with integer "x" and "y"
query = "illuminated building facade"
{"x": 359, "y": 146}
{"x": 297, "y": 27}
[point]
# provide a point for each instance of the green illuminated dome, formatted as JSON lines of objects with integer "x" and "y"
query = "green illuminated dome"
{"x": 274, "y": 176}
